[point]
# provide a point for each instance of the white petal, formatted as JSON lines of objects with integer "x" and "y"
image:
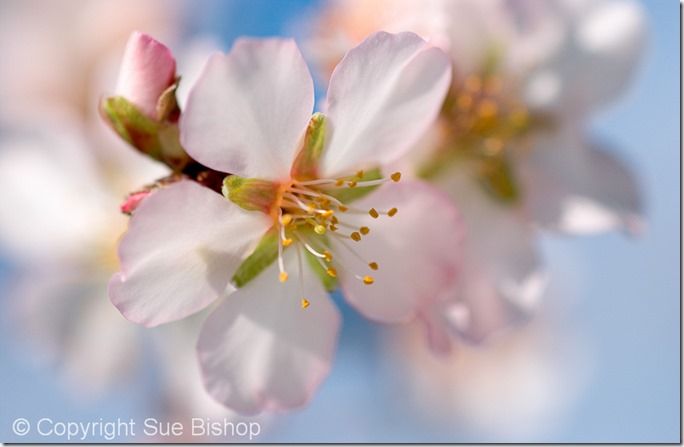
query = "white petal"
{"x": 418, "y": 251}
{"x": 502, "y": 277}
{"x": 597, "y": 56}
{"x": 261, "y": 351}
{"x": 182, "y": 247}
{"x": 580, "y": 188}
{"x": 382, "y": 97}
{"x": 249, "y": 109}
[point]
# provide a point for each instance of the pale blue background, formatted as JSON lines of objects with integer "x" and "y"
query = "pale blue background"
{"x": 628, "y": 301}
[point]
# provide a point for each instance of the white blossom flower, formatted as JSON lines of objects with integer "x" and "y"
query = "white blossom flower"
{"x": 305, "y": 206}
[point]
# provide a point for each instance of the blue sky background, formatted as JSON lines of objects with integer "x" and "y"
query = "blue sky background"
{"x": 627, "y": 290}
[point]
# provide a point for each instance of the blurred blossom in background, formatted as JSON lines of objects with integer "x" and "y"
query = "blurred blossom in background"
{"x": 596, "y": 356}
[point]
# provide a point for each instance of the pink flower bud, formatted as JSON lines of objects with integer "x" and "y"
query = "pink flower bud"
{"x": 132, "y": 201}
{"x": 148, "y": 68}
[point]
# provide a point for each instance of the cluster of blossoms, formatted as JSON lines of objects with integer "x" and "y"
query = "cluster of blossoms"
{"x": 268, "y": 207}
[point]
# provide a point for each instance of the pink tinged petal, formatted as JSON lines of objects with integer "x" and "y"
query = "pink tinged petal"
{"x": 580, "y": 188}
{"x": 148, "y": 68}
{"x": 249, "y": 109}
{"x": 418, "y": 252}
{"x": 382, "y": 97}
{"x": 259, "y": 350}
{"x": 502, "y": 278}
{"x": 183, "y": 244}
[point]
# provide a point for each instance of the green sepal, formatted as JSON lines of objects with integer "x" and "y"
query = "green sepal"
{"x": 347, "y": 195}
{"x": 158, "y": 140}
{"x": 498, "y": 179}
{"x": 252, "y": 194}
{"x": 306, "y": 163}
{"x": 167, "y": 104}
{"x": 263, "y": 256}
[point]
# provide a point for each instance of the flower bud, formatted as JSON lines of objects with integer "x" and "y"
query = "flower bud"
{"x": 148, "y": 69}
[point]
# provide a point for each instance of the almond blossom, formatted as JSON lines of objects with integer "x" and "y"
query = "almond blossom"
{"x": 308, "y": 203}
{"x": 511, "y": 146}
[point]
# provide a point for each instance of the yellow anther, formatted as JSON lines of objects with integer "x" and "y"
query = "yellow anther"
{"x": 368, "y": 280}
{"x": 396, "y": 176}
{"x": 286, "y": 219}
{"x": 304, "y": 303}
{"x": 493, "y": 146}
{"x": 339, "y": 182}
{"x": 319, "y": 229}
{"x": 355, "y": 236}
{"x": 487, "y": 109}
{"x": 287, "y": 242}
{"x": 373, "y": 265}
{"x": 333, "y": 227}
{"x": 328, "y": 256}
{"x": 334, "y": 220}
{"x": 392, "y": 212}
{"x": 331, "y": 272}
{"x": 351, "y": 184}
{"x": 374, "y": 213}
{"x": 327, "y": 213}
{"x": 342, "y": 209}
{"x": 464, "y": 101}
{"x": 283, "y": 276}
{"x": 364, "y": 230}
{"x": 359, "y": 174}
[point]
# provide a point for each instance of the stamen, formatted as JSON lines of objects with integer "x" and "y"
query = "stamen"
{"x": 283, "y": 276}
{"x": 355, "y": 236}
{"x": 342, "y": 208}
{"x": 373, "y": 265}
{"x": 367, "y": 279}
{"x": 352, "y": 184}
{"x": 319, "y": 229}
{"x": 331, "y": 272}
{"x": 287, "y": 242}
{"x": 328, "y": 256}
{"x": 286, "y": 219}
{"x": 303, "y": 302}
{"x": 364, "y": 230}
{"x": 373, "y": 213}
{"x": 396, "y": 176}
{"x": 392, "y": 212}
{"x": 359, "y": 174}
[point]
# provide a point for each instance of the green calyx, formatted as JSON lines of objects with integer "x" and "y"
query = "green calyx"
{"x": 158, "y": 139}
{"x": 251, "y": 194}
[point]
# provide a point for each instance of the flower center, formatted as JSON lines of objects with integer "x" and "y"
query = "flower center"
{"x": 312, "y": 212}
{"x": 484, "y": 122}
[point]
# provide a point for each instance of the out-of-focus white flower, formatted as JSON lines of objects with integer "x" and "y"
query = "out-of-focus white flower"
{"x": 519, "y": 389}
{"x": 511, "y": 147}
{"x": 63, "y": 176}
{"x": 298, "y": 193}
